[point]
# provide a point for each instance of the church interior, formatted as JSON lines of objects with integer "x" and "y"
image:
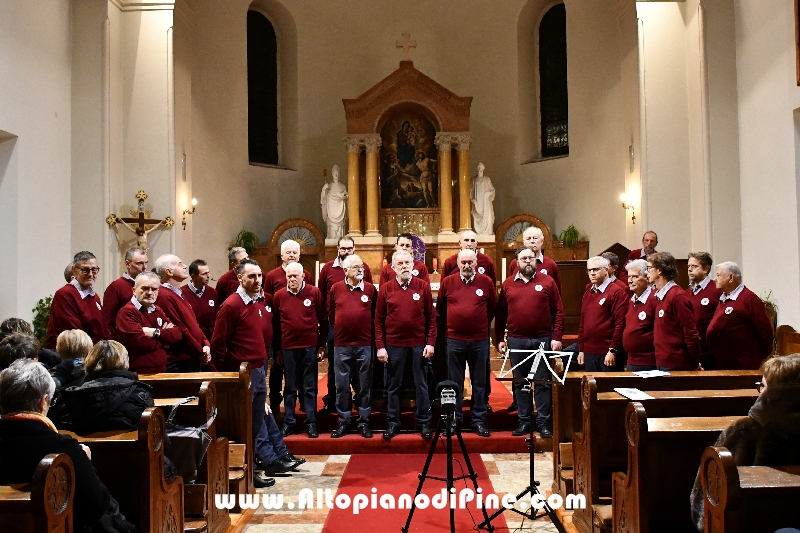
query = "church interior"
{"x": 184, "y": 125}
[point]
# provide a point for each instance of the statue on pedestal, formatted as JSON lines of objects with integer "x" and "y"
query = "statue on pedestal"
{"x": 334, "y": 205}
{"x": 482, "y": 196}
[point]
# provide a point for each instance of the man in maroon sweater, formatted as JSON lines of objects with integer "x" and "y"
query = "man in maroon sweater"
{"x": 144, "y": 329}
{"x": 649, "y": 243}
{"x": 602, "y": 320}
{"x": 351, "y": 310}
{"x": 637, "y": 339}
{"x": 405, "y": 241}
{"x": 300, "y": 345}
{"x": 530, "y": 310}
{"x": 334, "y": 272}
{"x": 76, "y": 305}
{"x": 119, "y": 291}
{"x": 740, "y": 334}
{"x": 468, "y": 240}
{"x": 704, "y": 295}
{"x": 202, "y": 297}
{"x": 613, "y": 269}
{"x": 405, "y": 329}
{"x": 675, "y": 335}
{"x": 194, "y": 349}
{"x": 466, "y": 305}
{"x": 533, "y": 238}
{"x": 228, "y": 283}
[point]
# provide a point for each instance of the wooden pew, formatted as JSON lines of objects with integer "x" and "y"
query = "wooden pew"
{"x": 45, "y": 504}
{"x": 568, "y": 406}
{"x": 747, "y": 499}
{"x": 234, "y": 405}
{"x": 787, "y": 340}
{"x": 600, "y": 448}
{"x": 199, "y": 510}
{"x": 131, "y": 465}
{"x": 652, "y": 495}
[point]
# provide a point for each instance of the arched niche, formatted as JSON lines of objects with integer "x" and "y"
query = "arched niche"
{"x": 308, "y": 234}
{"x": 508, "y": 236}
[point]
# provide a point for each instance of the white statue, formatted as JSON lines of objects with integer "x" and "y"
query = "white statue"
{"x": 482, "y": 197}
{"x": 334, "y": 205}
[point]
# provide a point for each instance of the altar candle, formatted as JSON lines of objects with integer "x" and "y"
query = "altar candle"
{"x": 435, "y": 264}
{"x": 503, "y": 272}
{"x": 316, "y": 277}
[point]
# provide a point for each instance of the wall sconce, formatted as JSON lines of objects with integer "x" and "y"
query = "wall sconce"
{"x": 626, "y": 206}
{"x": 189, "y": 212}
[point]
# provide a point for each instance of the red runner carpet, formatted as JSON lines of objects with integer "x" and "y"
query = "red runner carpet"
{"x": 396, "y": 475}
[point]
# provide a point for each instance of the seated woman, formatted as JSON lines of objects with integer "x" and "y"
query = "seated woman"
{"x": 111, "y": 397}
{"x": 73, "y": 346}
{"x": 9, "y": 326}
{"x": 27, "y": 435}
{"x": 768, "y": 436}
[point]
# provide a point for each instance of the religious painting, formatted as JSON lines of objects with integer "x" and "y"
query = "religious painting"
{"x": 409, "y": 168}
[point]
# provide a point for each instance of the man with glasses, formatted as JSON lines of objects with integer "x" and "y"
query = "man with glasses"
{"x": 119, "y": 291}
{"x": 602, "y": 320}
{"x": 704, "y": 295}
{"x": 76, "y": 305}
{"x": 533, "y": 238}
{"x": 405, "y": 242}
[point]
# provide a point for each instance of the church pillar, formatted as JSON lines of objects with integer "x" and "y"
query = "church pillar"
{"x": 373, "y": 144}
{"x": 353, "y": 205}
{"x": 442, "y": 142}
{"x": 464, "y": 219}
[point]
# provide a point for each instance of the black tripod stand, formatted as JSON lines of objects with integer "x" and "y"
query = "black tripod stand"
{"x": 450, "y": 425}
{"x": 533, "y": 485}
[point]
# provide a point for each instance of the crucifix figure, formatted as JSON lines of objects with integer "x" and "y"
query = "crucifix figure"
{"x": 140, "y": 224}
{"x": 405, "y": 43}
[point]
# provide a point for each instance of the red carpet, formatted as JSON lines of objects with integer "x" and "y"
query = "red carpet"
{"x": 397, "y": 476}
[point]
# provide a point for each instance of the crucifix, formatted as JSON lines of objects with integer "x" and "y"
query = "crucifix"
{"x": 405, "y": 43}
{"x": 141, "y": 223}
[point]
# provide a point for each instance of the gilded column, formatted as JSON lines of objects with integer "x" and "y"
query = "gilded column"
{"x": 443, "y": 143}
{"x": 464, "y": 140}
{"x": 372, "y": 143}
{"x": 353, "y": 201}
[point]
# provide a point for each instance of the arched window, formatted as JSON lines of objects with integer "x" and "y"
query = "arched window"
{"x": 553, "y": 96}
{"x": 262, "y": 90}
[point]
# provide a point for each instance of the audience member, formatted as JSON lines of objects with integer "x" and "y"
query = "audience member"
{"x": 637, "y": 338}
{"x": 73, "y": 346}
{"x": 602, "y": 320}
{"x": 202, "y": 297}
{"x": 18, "y": 346}
{"x": 405, "y": 241}
{"x": 704, "y": 295}
{"x": 533, "y": 238}
{"x": 47, "y": 357}
{"x": 228, "y": 283}
{"x": 119, "y": 291}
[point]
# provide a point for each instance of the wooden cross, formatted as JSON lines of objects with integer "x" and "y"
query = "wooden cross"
{"x": 141, "y": 221}
{"x": 405, "y": 43}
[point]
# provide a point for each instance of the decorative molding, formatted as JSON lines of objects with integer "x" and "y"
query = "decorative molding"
{"x": 373, "y": 142}
{"x": 463, "y": 140}
{"x": 127, "y": 5}
{"x": 353, "y": 143}
{"x": 443, "y": 141}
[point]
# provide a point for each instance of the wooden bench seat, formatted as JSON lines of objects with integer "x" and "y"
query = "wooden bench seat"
{"x": 45, "y": 504}
{"x": 747, "y": 499}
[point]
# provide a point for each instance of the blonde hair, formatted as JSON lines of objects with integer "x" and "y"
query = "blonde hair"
{"x": 782, "y": 369}
{"x": 73, "y": 344}
{"x": 107, "y": 355}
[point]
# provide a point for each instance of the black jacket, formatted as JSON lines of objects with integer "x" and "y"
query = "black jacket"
{"x": 108, "y": 400}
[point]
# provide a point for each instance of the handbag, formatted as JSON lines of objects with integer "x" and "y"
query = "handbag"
{"x": 187, "y": 445}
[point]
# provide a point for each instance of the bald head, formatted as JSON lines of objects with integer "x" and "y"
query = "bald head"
{"x": 171, "y": 269}
{"x": 467, "y": 262}
{"x": 468, "y": 240}
{"x": 290, "y": 252}
{"x": 533, "y": 238}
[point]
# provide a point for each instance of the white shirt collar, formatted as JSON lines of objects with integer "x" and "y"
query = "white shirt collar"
{"x": 198, "y": 292}
{"x": 644, "y": 295}
{"x": 697, "y": 287}
{"x": 404, "y": 285}
{"x": 467, "y": 281}
{"x": 128, "y": 277}
{"x": 662, "y": 293}
{"x": 360, "y": 285}
{"x": 643, "y": 254}
{"x": 612, "y": 278}
{"x": 138, "y": 305}
{"x": 83, "y": 292}
{"x": 302, "y": 286}
{"x": 245, "y": 297}
{"x": 602, "y": 287}
{"x": 733, "y": 295}
{"x": 520, "y": 276}
{"x": 337, "y": 263}
{"x": 173, "y": 289}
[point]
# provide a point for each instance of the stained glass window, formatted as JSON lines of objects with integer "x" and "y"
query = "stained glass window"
{"x": 553, "y": 94}
{"x": 262, "y": 89}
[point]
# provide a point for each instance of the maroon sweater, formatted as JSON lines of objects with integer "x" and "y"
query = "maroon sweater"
{"x": 70, "y": 311}
{"x": 530, "y": 310}
{"x": 205, "y": 307}
{"x": 352, "y": 313}
{"x": 147, "y": 355}
{"x": 242, "y": 333}
{"x": 405, "y": 318}
{"x": 276, "y": 280}
{"x": 638, "y": 335}
{"x": 117, "y": 295}
{"x": 602, "y": 320}
{"x": 704, "y": 303}
{"x": 675, "y": 335}
{"x": 742, "y": 337}
{"x": 300, "y": 317}
{"x": 180, "y": 313}
{"x": 466, "y": 307}
{"x": 330, "y": 275}
{"x": 485, "y": 266}
{"x": 226, "y": 285}
{"x": 420, "y": 271}
{"x": 545, "y": 266}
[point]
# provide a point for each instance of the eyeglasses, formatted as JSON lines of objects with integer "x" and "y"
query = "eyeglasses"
{"x": 357, "y": 267}
{"x": 593, "y": 270}
{"x": 87, "y": 271}
{"x": 346, "y": 249}
{"x": 526, "y": 259}
{"x": 760, "y": 386}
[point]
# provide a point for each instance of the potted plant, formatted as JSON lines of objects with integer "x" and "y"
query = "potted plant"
{"x": 245, "y": 239}
{"x": 571, "y": 245}
{"x": 41, "y": 316}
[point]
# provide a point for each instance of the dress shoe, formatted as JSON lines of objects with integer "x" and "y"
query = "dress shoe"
{"x": 545, "y": 432}
{"x": 327, "y": 409}
{"x": 288, "y": 455}
{"x": 391, "y": 431}
{"x": 286, "y": 430}
{"x": 365, "y": 431}
{"x": 278, "y": 466}
{"x": 513, "y": 407}
{"x": 340, "y": 431}
{"x": 262, "y": 482}
{"x": 311, "y": 430}
{"x": 522, "y": 429}
{"x": 480, "y": 429}
{"x": 425, "y": 429}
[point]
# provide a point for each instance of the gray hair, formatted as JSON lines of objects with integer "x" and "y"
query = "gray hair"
{"x": 349, "y": 259}
{"x": 81, "y": 257}
{"x": 729, "y": 267}
{"x": 535, "y": 229}
{"x": 294, "y": 266}
{"x": 637, "y": 264}
{"x": 602, "y": 261}
{"x": 144, "y": 276}
{"x": 288, "y": 242}
{"x": 164, "y": 263}
{"x": 23, "y": 385}
{"x": 133, "y": 251}
{"x": 467, "y": 251}
{"x": 398, "y": 253}
{"x": 612, "y": 258}
{"x": 233, "y": 252}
